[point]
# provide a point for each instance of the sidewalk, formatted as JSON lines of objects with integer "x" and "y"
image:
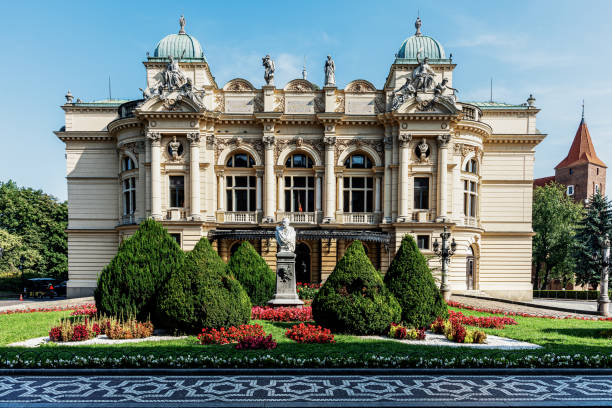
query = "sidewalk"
{"x": 40, "y": 303}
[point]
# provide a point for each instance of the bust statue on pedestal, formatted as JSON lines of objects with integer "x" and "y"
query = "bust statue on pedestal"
{"x": 286, "y": 293}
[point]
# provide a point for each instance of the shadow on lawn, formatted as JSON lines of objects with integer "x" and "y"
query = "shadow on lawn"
{"x": 592, "y": 333}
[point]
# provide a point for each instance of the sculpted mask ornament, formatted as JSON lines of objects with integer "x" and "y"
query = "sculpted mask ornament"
{"x": 404, "y": 139}
{"x": 268, "y": 141}
{"x": 174, "y": 146}
{"x": 285, "y": 236}
{"x": 423, "y": 149}
{"x": 193, "y": 137}
{"x": 268, "y": 64}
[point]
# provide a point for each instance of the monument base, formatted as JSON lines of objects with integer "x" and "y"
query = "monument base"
{"x": 286, "y": 293}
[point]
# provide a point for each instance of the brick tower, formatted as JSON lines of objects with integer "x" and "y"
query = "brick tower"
{"x": 582, "y": 171}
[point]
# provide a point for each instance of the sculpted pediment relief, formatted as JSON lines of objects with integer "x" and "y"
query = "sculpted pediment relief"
{"x": 172, "y": 102}
{"x": 360, "y": 86}
{"x": 299, "y": 85}
{"x": 239, "y": 85}
{"x": 427, "y": 103}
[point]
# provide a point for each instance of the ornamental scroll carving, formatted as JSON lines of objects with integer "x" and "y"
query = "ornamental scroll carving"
{"x": 380, "y": 104}
{"x": 282, "y": 144}
{"x": 339, "y": 103}
{"x": 465, "y": 149}
{"x": 319, "y": 104}
{"x": 220, "y": 102}
{"x": 279, "y": 103}
{"x": 376, "y": 144}
{"x": 360, "y": 86}
{"x": 258, "y": 103}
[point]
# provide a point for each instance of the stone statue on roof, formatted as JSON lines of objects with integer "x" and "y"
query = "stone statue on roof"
{"x": 182, "y": 24}
{"x": 174, "y": 76}
{"x": 423, "y": 75}
{"x": 268, "y": 64}
{"x": 330, "y": 72}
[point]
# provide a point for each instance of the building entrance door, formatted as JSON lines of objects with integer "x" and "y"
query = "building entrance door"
{"x": 302, "y": 263}
{"x": 469, "y": 270}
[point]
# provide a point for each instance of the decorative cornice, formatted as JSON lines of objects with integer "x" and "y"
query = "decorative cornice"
{"x": 83, "y": 136}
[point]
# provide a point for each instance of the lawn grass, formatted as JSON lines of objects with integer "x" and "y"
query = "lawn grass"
{"x": 562, "y": 337}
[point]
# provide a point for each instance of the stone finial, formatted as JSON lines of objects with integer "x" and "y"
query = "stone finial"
{"x": 417, "y": 25}
{"x": 182, "y": 24}
{"x": 531, "y": 100}
{"x": 69, "y": 97}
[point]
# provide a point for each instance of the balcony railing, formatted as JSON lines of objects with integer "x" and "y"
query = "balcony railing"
{"x": 247, "y": 217}
{"x": 299, "y": 217}
{"x": 360, "y": 218}
{"x": 176, "y": 214}
{"x": 470, "y": 221}
{"x": 128, "y": 219}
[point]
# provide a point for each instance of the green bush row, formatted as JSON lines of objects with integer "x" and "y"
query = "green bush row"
{"x": 567, "y": 294}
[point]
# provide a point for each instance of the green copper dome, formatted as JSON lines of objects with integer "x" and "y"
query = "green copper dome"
{"x": 423, "y": 45}
{"x": 180, "y": 45}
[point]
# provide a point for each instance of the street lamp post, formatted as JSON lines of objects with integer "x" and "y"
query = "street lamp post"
{"x": 604, "y": 301}
{"x": 445, "y": 252}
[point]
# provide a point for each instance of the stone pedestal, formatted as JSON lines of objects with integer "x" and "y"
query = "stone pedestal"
{"x": 286, "y": 293}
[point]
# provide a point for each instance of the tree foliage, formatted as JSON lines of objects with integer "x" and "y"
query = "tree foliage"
{"x": 253, "y": 273}
{"x": 596, "y": 225}
{"x": 354, "y": 298}
{"x": 411, "y": 282}
{"x": 39, "y": 221}
{"x": 203, "y": 294}
{"x": 555, "y": 220}
{"x": 129, "y": 286}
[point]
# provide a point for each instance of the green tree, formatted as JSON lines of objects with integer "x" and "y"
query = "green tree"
{"x": 39, "y": 221}
{"x": 354, "y": 298}
{"x": 253, "y": 273}
{"x": 411, "y": 282}
{"x": 203, "y": 294}
{"x": 595, "y": 226}
{"x": 555, "y": 220}
{"x": 14, "y": 252}
{"x": 129, "y": 286}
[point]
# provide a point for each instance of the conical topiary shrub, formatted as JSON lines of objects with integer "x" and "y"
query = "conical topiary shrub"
{"x": 354, "y": 298}
{"x": 203, "y": 294}
{"x": 410, "y": 280}
{"x": 253, "y": 273}
{"x": 129, "y": 285}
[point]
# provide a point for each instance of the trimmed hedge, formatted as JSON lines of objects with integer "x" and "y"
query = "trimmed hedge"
{"x": 410, "y": 280}
{"x": 354, "y": 298}
{"x": 567, "y": 294}
{"x": 129, "y": 285}
{"x": 253, "y": 273}
{"x": 203, "y": 294}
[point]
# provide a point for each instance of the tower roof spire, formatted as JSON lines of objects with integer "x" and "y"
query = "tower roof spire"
{"x": 582, "y": 150}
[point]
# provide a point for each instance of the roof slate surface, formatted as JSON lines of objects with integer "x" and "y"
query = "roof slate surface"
{"x": 582, "y": 150}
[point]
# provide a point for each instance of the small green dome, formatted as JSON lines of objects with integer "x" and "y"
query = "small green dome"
{"x": 427, "y": 46}
{"x": 180, "y": 45}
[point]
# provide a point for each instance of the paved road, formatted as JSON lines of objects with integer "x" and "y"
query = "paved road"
{"x": 45, "y": 302}
{"x": 294, "y": 391}
{"x": 534, "y": 309}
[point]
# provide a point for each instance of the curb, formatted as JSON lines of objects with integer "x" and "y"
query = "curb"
{"x": 534, "y": 305}
{"x": 302, "y": 371}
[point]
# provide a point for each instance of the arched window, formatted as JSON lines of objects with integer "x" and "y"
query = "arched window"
{"x": 241, "y": 188}
{"x": 127, "y": 163}
{"x": 358, "y": 161}
{"x": 299, "y": 161}
{"x": 241, "y": 160}
{"x": 358, "y": 188}
{"x": 472, "y": 166}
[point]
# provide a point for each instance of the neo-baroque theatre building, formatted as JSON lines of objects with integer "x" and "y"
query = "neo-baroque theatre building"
{"x": 231, "y": 161}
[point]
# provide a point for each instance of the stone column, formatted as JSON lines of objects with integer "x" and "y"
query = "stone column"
{"x": 377, "y": 193}
{"x": 330, "y": 182}
{"x": 388, "y": 184}
{"x": 319, "y": 191}
{"x": 404, "y": 140}
{"x": 443, "y": 141}
{"x": 281, "y": 191}
{"x": 142, "y": 176}
{"x": 220, "y": 190}
{"x": 155, "y": 138}
{"x": 269, "y": 187}
{"x": 340, "y": 190}
{"x": 194, "y": 175}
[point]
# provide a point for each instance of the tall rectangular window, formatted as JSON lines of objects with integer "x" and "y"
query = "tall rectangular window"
{"x": 129, "y": 196}
{"x": 177, "y": 191}
{"x": 470, "y": 198}
{"x": 299, "y": 194}
{"x": 241, "y": 193}
{"x": 421, "y": 193}
{"x": 423, "y": 241}
{"x": 358, "y": 194}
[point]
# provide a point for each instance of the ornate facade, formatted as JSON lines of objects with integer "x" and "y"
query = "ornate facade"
{"x": 341, "y": 163}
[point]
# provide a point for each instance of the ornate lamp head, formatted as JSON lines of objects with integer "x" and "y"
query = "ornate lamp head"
{"x": 453, "y": 245}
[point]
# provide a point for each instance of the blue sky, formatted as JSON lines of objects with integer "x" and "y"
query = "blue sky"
{"x": 557, "y": 50}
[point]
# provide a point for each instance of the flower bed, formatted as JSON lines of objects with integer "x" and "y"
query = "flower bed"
{"x": 494, "y": 322}
{"x": 454, "y": 331}
{"x": 308, "y": 333}
{"x": 256, "y": 343}
{"x": 458, "y": 305}
{"x": 85, "y": 311}
{"x": 397, "y": 331}
{"x": 81, "y": 330}
{"x": 48, "y": 309}
{"x": 307, "y": 291}
{"x": 230, "y": 335}
{"x": 282, "y": 314}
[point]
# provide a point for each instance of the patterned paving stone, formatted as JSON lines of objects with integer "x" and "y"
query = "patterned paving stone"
{"x": 293, "y": 391}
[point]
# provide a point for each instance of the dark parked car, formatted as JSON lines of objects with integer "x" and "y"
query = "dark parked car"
{"x": 40, "y": 287}
{"x": 60, "y": 288}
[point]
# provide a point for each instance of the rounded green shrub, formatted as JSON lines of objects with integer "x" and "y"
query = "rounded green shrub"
{"x": 203, "y": 294}
{"x": 253, "y": 273}
{"x": 129, "y": 285}
{"x": 354, "y": 298}
{"x": 410, "y": 280}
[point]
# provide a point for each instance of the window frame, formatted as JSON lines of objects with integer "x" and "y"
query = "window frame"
{"x": 170, "y": 193}
{"x": 414, "y": 195}
{"x": 470, "y": 198}
{"x": 307, "y": 188}
{"x": 233, "y": 189}
{"x": 368, "y": 193}
{"x": 428, "y": 237}
{"x": 128, "y": 195}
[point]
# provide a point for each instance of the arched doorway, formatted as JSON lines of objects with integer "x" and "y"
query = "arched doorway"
{"x": 302, "y": 263}
{"x": 470, "y": 268}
